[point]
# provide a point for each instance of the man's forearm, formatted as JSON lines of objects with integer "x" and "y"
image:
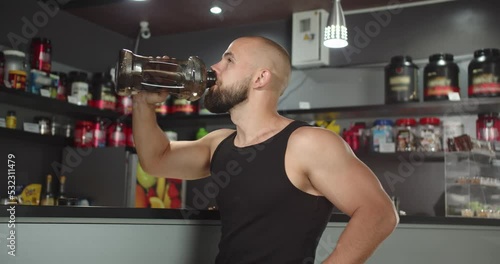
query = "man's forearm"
{"x": 365, "y": 231}
{"x": 150, "y": 141}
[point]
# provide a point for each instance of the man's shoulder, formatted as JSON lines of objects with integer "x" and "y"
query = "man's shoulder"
{"x": 315, "y": 137}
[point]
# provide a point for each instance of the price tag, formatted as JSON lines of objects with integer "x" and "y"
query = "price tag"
{"x": 304, "y": 105}
{"x": 387, "y": 147}
{"x": 454, "y": 96}
{"x": 31, "y": 127}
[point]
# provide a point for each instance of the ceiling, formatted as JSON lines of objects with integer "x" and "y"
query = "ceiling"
{"x": 178, "y": 16}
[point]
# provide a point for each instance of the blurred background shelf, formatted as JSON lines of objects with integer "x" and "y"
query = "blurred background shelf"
{"x": 34, "y": 137}
{"x": 51, "y": 105}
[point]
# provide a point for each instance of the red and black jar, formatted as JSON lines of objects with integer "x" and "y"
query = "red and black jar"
{"x": 440, "y": 77}
{"x": 484, "y": 73}
{"x": 102, "y": 89}
{"x": 41, "y": 54}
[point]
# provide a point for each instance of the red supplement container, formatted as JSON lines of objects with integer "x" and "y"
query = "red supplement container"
{"x": 488, "y": 127}
{"x": 117, "y": 134}
{"x": 41, "y": 53}
{"x": 84, "y": 134}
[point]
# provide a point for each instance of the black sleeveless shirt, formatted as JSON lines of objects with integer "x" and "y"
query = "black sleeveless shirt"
{"x": 264, "y": 217}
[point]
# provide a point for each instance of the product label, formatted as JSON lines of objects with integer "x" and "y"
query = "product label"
{"x": 400, "y": 83}
{"x": 380, "y": 137}
{"x": 430, "y": 139}
{"x": 405, "y": 140}
{"x": 44, "y": 60}
{"x": 99, "y": 138}
{"x": 117, "y": 139}
{"x": 80, "y": 90}
{"x": 17, "y": 81}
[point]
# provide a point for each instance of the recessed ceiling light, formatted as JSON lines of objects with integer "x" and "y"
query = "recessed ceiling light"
{"x": 215, "y": 10}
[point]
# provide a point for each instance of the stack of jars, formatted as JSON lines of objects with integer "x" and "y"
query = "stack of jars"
{"x": 103, "y": 133}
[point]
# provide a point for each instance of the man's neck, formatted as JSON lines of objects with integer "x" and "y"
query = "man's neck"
{"x": 256, "y": 123}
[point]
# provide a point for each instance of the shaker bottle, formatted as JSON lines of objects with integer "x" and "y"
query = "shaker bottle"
{"x": 186, "y": 79}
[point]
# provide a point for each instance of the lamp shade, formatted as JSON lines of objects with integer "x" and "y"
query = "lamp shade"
{"x": 336, "y": 30}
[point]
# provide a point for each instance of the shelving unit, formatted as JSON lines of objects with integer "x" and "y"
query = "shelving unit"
{"x": 468, "y": 106}
{"x": 34, "y": 137}
{"x": 51, "y": 105}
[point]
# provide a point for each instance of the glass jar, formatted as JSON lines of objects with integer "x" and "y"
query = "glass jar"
{"x": 440, "y": 77}
{"x": 484, "y": 73}
{"x": 429, "y": 132}
{"x": 488, "y": 127}
{"x": 44, "y": 125}
{"x": 406, "y": 129}
{"x": 383, "y": 136}
{"x": 41, "y": 53}
{"x": 83, "y": 134}
{"x": 401, "y": 80}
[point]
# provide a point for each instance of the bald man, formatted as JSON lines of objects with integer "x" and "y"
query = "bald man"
{"x": 278, "y": 179}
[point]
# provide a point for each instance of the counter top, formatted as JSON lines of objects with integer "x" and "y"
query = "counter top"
{"x": 185, "y": 214}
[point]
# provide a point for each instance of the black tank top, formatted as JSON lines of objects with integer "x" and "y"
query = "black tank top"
{"x": 264, "y": 217}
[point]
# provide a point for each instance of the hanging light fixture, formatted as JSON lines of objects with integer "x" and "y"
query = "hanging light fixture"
{"x": 336, "y": 30}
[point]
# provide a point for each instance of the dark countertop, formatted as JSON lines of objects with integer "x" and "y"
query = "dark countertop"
{"x": 148, "y": 213}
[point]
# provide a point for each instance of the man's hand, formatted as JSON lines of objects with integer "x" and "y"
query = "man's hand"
{"x": 150, "y": 98}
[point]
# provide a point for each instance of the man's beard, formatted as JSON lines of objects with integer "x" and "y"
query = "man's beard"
{"x": 222, "y": 99}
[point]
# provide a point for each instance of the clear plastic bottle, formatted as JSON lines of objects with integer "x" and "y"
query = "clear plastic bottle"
{"x": 186, "y": 79}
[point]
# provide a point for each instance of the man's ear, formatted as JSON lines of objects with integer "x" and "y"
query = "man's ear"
{"x": 263, "y": 78}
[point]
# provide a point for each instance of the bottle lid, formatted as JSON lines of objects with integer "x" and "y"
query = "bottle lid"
{"x": 430, "y": 121}
{"x": 406, "y": 122}
{"x": 488, "y": 114}
{"x": 11, "y": 113}
{"x": 14, "y": 53}
{"x": 441, "y": 56}
{"x": 383, "y": 122}
{"x": 40, "y": 40}
{"x": 486, "y": 52}
{"x": 401, "y": 59}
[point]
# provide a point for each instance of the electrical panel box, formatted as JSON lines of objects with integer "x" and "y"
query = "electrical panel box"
{"x": 307, "y": 39}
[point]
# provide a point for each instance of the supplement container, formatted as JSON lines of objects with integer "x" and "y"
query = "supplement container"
{"x": 401, "y": 80}
{"x": 383, "y": 136}
{"x": 406, "y": 130}
{"x": 488, "y": 127}
{"x": 484, "y": 73}
{"x": 440, "y": 77}
{"x": 429, "y": 132}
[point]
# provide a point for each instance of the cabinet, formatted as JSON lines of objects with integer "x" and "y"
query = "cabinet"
{"x": 472, "y": 181}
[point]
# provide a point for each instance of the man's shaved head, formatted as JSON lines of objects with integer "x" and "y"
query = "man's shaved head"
{"x": 269, "y": 54}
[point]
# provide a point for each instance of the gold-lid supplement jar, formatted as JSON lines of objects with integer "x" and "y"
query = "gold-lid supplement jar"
{"x": 484, "y": 73}
{"x": 401, "y": 80}
{"x": 440, "y": 77}
{"x": 11, "y": 120}
{"x": 406, "y": 129}
{"x": 430, "y": 136}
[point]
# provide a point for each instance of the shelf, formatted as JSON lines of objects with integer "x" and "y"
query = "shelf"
{"x": 470, "y": 106}
{"x": 45, "y": 104}
{"x": 466, "y": 106}
{"x": 34, "y": 137}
